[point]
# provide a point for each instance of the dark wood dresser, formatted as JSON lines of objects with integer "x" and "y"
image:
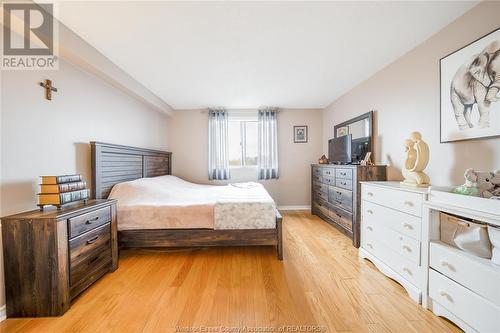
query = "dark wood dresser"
{"x": 336, "y": 194}
{"x": 51, "y": 256}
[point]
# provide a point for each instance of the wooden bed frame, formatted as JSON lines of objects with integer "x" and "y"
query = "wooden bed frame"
{"x": 113, "y": 164}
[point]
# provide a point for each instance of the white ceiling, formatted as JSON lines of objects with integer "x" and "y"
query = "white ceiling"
{"x": 248, "y": 54}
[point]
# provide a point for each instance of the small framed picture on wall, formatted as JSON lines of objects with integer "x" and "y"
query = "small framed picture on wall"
{"x": 299, "y": 134}
{"x": 341, "y": 131}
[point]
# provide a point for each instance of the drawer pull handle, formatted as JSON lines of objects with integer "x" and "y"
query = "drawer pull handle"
{"x": 369, "y": 228}
{"x": 408, "y": 226}
{"x": 446, "y": 295}
{"x": 370, "y": 194}
{"x": 369, "y": 245}
{"x": 407, "y": 270}
{"x": 369, "y": 211}
{"x": 447, "y": 264}
{"x": 407, "y": 248}
{"x": 91, "y": 261}
{"x": 409, "y": 203}
{"x": 90, "y": 221}
{"x": 93, "y": 240}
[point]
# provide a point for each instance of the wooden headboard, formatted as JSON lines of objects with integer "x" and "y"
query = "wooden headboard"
{"x": 113, "y": 164}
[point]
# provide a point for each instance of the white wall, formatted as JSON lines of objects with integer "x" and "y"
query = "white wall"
{"x": 188, "y": 142}
{"x": 40, "y": 137}
{"x": 405, "y": 96}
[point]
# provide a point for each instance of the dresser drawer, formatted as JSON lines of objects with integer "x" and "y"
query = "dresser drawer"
{"x": 320, "y": 187}
{"x": 376, "y": 244}
{"x": 341, "y": 217}
{"x": 338, "y": 196}
{"x": 321, "y": 206}
{"x": 328, "y": 172}
{"x": 404, "y": 201}
{"x": 405, "y": 246}
{"x": 87, "y": 244}
{"x": 316, "y": 171}
{"x": 83, "y": 223}
{"x": 328, "y": 180}
{"x": 403, "y": 223}
{"x": 89, "y": 271}
{"x": 480, "y": 276}
{"x": 344, "y": 183}
{"x": 81, "y": 271}
{"x": 317, "y": 178}
{"x": 343, "y": 173}
{"x": 322, "y": 195}
{"x": 474, "y": 310}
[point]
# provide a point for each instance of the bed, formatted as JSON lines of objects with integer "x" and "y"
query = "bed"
{"x": 156, "y": 209}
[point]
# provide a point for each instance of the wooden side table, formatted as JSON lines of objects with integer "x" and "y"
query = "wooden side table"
{"x": 51, "y": 256}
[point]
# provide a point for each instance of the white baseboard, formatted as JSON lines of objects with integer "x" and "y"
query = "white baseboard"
{"x": 306, "y": 207}
{"x": 3, "y": 313}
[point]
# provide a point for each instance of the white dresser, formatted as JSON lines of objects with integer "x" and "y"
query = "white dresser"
{"x": 392, "y": 234}
{"x": 462, "y": 287}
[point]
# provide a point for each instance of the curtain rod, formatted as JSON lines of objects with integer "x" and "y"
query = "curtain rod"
{"x": 239, "y": 110}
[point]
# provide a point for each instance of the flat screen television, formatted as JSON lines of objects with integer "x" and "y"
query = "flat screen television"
{"x": 339, "y": 149}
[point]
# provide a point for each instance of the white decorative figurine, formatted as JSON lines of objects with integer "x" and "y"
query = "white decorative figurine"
{"x": 417, "y": 157}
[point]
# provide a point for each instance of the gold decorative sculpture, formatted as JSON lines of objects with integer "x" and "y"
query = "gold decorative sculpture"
{"x": 417, "y": 157}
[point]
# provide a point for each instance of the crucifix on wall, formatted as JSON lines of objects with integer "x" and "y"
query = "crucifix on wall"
{"x": 47, "y": 84}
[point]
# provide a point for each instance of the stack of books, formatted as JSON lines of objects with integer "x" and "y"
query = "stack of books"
{"x": 60, "y": 190}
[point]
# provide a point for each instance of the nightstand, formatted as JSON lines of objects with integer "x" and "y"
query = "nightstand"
{"x": 52, "y": 256}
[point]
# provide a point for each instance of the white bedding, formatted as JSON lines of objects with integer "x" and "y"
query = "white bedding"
{"x": 168, "y": 202}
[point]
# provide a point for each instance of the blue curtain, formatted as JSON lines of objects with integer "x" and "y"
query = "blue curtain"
{"x": 268, "y": 143}
{"x": 218, "y": 159}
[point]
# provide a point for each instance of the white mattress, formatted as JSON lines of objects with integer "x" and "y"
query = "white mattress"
{"x": 168, "y": 202}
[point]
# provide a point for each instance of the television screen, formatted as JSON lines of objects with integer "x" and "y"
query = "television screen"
{"x": 339, "y": 149}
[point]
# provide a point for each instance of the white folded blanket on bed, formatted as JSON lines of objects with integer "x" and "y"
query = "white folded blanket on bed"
{"x": 169, "y": 202}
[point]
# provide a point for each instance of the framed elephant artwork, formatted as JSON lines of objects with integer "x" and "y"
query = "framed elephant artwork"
{"x": 470, "y": 85}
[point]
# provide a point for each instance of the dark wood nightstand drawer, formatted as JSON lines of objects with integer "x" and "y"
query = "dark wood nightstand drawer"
{"x": 88, "y": 271}
{"x": 83, "y": 246}
{"x": 83, "y": 223}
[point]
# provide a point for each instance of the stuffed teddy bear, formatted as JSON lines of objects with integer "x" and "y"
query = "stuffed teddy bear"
{"x": 481, "y": 184}
{"x": 470, "y": 185}
{"x": 489, "y": 182}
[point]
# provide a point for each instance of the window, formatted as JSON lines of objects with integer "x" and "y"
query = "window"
{"x": 242, "y": 139}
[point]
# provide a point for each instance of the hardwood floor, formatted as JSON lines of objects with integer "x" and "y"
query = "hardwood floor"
{"x": 320, "y": 282}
